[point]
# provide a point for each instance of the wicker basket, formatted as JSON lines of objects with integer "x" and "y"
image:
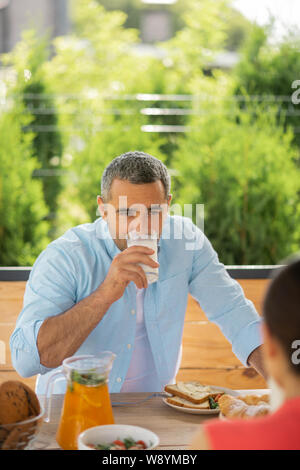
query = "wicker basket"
{"x": 21, "y": 435}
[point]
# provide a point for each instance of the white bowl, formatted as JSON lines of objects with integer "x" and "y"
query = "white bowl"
{"x": 106, "y": 434}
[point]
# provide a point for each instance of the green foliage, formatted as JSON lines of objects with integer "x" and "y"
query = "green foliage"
{"x": 268, "y": 70}
{"x": 91, "y": 66}
{"x": 98, "y": 57}
{"x": 202, "y": 37}
{"x": 90, "y": 73}
{"x": 99, "y": 149}
{"x": 241, "y": 166}
{"x": 239, "y": 162}
{"x": 23, "y": 232}
{"x": 132, "y": 9}
{"x": 47, "y": 140}
{"x": 27, "y": 60}
{"x": 237, "y": 26}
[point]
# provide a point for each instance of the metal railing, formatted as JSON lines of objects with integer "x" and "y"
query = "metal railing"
{"x": 147, "y": 111}
{"x": 148, "y": 106}
{"x": 22, "y": 273}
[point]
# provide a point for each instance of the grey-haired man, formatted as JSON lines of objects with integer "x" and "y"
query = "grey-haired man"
{"x": 87, "y": 291}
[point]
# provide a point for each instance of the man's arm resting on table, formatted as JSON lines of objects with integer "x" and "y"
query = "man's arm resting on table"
{"x": 61, "y": 336}
{"x": 255, "y": 360}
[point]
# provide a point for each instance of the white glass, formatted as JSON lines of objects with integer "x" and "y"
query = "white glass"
{"x": 150, "y": 241}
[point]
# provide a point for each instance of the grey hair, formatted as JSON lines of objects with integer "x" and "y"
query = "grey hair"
{"x": 137, "y": 168}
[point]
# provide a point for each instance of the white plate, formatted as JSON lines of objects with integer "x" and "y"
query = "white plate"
{"x": 197, "y": 411}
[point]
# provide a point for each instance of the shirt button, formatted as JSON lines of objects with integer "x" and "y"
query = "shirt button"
{"x": 129, "y": 346}
{"x": 119, "y": 379}
{"x": 133, "y": 312}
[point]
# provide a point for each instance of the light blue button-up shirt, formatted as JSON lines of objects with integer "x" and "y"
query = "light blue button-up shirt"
{"x": 75, "y": 264}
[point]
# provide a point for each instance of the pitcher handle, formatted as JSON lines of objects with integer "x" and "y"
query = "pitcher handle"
{"x": 58, "y": 375}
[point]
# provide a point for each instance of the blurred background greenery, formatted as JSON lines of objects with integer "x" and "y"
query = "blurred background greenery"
{"x": 210, "y": 96}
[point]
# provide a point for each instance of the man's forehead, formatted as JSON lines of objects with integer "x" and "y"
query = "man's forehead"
{"x": 124, "y": 193}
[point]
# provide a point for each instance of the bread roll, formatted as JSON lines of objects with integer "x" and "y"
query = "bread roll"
{"x": 255, "y": 399}
{"x": 14, "y": 405}
{"x": 18, "y": 403}
{"x": 232, "y": 407}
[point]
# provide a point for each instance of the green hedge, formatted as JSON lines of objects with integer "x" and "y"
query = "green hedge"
{"x": 242, "y": 166}
{"x": 23, "y": 232}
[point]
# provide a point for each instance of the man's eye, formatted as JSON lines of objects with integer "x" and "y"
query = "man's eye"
{"x": 127, "y": 213}
{"x": 133, "y": 212}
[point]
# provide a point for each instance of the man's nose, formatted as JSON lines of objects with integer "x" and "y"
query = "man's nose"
{"x": 141, "y": 223}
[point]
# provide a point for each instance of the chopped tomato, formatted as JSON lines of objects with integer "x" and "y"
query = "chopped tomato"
{"x": 218, "y": 396}
{"x": 142, "y": 444}
{"x": 119, "y": 444}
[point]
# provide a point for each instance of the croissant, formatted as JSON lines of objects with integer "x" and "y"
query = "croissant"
{"x": 232, "y": 407}
{"x": 255, "y": 399}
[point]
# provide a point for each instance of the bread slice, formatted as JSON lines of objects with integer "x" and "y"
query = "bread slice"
{"x": 194, "y": 392}
{"x": 187, "y": 404}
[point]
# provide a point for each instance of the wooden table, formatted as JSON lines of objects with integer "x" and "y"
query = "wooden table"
{"x": 175, "y": 429}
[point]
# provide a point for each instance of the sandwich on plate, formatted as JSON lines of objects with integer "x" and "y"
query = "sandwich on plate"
{"x": 193, "y": 395}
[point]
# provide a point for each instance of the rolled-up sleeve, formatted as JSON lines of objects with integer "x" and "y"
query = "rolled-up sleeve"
{"x": 50, "y": 290}
{"x": 223, "y": 300}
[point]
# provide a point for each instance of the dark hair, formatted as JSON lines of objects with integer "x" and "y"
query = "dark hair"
{"x": 137, "y": 168}
{"x": 281, "y": 309}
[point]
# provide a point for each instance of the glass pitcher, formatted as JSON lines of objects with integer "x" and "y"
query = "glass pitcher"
{"x": 87, "y": 401}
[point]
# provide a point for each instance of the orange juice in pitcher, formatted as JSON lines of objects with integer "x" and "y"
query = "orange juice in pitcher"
{"x": 87, "y": 401}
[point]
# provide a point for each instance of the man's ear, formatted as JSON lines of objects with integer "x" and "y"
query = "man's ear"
{"x": 168, "y": 204}
{"x": 101, "y": 207}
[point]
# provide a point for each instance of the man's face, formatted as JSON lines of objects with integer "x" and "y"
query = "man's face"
{"x": 140, "y": 207}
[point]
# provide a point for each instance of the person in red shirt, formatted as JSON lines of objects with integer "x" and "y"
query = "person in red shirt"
{"x": 280, "y": 430}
